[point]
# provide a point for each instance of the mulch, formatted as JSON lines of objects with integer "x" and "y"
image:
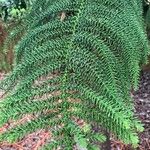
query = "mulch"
{"x": 142, "y": 105}
{"x": 36, "y": 140}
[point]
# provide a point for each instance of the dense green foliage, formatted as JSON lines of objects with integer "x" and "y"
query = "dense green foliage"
{"x": 14, "y": 9}
{"x": 78, "y": 59}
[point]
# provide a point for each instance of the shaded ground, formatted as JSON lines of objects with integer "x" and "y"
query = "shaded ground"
{"x": 142, "y": 104}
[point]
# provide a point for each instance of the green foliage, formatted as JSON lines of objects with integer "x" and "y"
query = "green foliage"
{"x": 11, "y": 10}
{"x": 78, "y": 59}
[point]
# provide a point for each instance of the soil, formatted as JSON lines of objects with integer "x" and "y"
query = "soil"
{"x": 142, "y": 105}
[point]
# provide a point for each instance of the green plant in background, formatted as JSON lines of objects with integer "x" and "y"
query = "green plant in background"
{"x": 77, "y": 59}
{"x": 12, "y": 12}
{"x": 2, "y": 39}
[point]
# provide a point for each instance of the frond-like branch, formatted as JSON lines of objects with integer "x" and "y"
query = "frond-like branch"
{"x": 77, "y": 59}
